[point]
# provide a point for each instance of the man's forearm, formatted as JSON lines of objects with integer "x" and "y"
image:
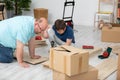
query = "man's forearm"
{"x": 19, "y": 56}
{"x": 31, "y": 46}
{"x": 31, "y": 49}
{"x": 19, "y": 51}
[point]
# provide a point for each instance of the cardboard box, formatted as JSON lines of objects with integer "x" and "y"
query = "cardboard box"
{"x": 118, "y": 71}
{"x": 92, "y": 74}
{"x": 119, "y": 61}
{"x": 110, "y": 35}
{"x": 69, "y": 60}
{"x": 118, "y": 75}
{"x": 40, "y": 12}
{"x": 115, "y": 25}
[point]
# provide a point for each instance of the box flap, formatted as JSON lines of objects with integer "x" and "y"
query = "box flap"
{"x": 70, "y": 48}
{"x": 115, "y": 29}
{"x": 115, "y": 25}
{"x": 63, "y": 51}
{"x": 59, "y": 48}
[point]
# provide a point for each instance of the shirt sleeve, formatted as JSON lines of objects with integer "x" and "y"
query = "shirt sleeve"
{"x": 70, "y": 34}
{"x": 24, "y": 35}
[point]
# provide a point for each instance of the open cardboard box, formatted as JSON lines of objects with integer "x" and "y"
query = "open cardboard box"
{"x": 111, "y": 35}
{"x": 69, "y": 60}
{"x": 115, "y": 25}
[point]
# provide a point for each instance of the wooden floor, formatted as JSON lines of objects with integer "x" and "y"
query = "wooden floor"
{"x": 84, "y": 36}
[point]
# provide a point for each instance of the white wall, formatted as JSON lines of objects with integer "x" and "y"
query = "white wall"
{"x": 84, "y": 10}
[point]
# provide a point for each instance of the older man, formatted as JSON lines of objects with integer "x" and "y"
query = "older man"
{"x": 17, "y": 31}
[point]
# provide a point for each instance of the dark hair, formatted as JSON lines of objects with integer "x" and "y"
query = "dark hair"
{"x": 59, "y": 24}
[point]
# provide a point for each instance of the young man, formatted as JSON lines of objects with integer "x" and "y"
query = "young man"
{"x": 61, "y": 34}
{"x": 17, "y": 31}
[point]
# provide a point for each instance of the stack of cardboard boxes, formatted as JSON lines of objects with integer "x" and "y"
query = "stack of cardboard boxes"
{"x": 70, "y": 63}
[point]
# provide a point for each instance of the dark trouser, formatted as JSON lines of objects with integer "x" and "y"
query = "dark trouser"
{"x": 6, "y": 54}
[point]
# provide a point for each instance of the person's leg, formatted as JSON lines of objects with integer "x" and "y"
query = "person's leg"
{"x": 51, "y": 34}
{"x": 53, "y": 37}
{"x": 6, "y": 54}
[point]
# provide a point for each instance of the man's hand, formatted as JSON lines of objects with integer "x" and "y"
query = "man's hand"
{"x": 35, "y": 57}
{"x": 19, "y": 54}
{"x": 23, "y": 64}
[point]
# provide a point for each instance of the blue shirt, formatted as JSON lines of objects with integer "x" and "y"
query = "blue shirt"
{"x": 68, "y": 34}
{"x": 17, "y": 28}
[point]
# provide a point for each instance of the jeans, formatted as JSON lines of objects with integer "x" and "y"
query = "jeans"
{"x": 6, "y": 54}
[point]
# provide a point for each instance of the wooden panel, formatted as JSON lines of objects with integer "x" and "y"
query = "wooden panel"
{"x": 27, "y": 59}
{"x": 118, "y": 75}
{"x": 46, "y": 64}
{"x": 116, "y": 49}
{"x": 106, "y": 68}
{"x": 118, "y": 71}
{"x": 92, "y": 51}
